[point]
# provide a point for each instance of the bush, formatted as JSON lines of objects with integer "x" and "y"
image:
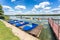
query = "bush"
{"x": 6, "y": 17}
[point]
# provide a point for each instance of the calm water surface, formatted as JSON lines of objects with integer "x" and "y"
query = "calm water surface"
{"x": 46, "y": 33}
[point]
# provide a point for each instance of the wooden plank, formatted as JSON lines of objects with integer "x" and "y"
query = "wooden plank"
{"x": 36, "y": 31}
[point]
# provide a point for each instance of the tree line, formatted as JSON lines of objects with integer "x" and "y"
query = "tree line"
{"x": 2, "y": 16}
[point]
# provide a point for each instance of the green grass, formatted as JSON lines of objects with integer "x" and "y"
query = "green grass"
{"x": 6, "y": 34}
{"x": 6, "y": 17}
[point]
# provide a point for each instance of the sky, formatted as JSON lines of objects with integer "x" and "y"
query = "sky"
{"x": 13, "y": 7}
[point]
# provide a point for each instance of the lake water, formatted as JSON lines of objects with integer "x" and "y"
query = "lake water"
{"x": 45, "y": 17}
{"x": 46, "y": 33}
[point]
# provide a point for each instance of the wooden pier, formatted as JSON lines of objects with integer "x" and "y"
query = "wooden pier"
{"x": 55, "y": 27}
{"x": 36, "y": 31}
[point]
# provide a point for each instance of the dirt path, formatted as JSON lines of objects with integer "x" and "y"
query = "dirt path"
{"x": 19, "y": 33}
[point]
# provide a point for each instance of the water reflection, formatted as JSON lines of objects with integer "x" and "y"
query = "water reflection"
{"x": 47, "y": 33}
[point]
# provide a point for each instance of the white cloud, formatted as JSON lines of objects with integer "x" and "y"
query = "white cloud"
{"x": 47, "y": 8}
{"x": 18, "y": 12}
{"x": 13, "y": 0}
{"x": 41, "y": 8}
{"x": 37, "y": 6}
{"x": 10, "y": 11}
{"x": 34, "y": 9}
{"x": 42, "y": 5}
{"x": 7, "y": 8}
{"x": 18, "y": 7}
{"x": 56, "y": 10}
{"x": 13, "y": 12}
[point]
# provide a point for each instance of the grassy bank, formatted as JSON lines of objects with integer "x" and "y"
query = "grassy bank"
{"x": 6, "y": 34}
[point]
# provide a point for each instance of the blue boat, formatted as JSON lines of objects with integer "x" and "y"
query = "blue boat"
{"x": 19, "y": 24}
{"x": 26, "y": 23}
{"x": 30, "y": 27}
{"x": 13, "y": 21}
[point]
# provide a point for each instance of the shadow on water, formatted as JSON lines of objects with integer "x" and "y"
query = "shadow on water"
{"x": 53, "y": 34}
{"x": 47, "y": 33}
